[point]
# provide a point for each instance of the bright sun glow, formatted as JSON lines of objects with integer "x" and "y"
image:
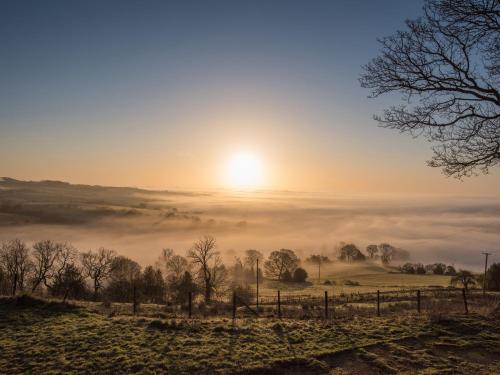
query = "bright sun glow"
{"x": 244, "y": 170}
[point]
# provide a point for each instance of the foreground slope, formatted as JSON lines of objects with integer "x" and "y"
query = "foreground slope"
{"x": 35, "y": 336}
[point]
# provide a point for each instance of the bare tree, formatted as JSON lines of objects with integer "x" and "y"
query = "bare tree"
{"x": 386, "y": 252}
{"x": 97, "y": 266}
{"x": 45, "y": 254}
{"x": 446, "y": 65}
{"x": 69, "y": 282}
{"x": 465, "y": 278}
{"x": 279, "y": 262}
{"x": 67, "y": 277}
{"x": 206, "y": 258}
{"x": 14, "y": 259}
{"x": 67, "y": 255}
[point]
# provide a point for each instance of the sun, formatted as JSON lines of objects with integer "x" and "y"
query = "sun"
{"x": 244, "y": 170}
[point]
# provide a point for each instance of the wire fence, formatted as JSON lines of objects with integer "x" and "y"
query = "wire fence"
{"x": 328, "y": 306}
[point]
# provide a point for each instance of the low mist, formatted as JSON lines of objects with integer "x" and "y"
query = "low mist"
{"x": 139, "y": 223}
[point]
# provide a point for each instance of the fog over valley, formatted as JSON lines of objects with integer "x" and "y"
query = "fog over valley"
{"x": 139, "y": 223}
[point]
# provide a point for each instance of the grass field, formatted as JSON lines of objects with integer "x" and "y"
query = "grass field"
{"x": 370, "y": 277}
{"x": 51, "y": 338}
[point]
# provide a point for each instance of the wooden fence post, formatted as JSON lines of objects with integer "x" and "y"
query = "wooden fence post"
{"x": 378, "y": 302}
{"x": 134, "y": 303}
{"x": 333, "y": 307}
{"x": 326, "y": 304}
{"x": 257, "y": 286}
{"x": 279, "y": 305}
{"x": 465, "y": 301}
{"x": 190, "y": 302}
{"x": 418, "y": 301}
{"x": 234, "y": 306}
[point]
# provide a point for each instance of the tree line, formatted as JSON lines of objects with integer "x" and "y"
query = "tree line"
{"x": 60, "y": 270}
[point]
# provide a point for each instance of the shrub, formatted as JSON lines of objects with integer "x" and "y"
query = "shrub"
{"x": 351, "y": 283}
{"x": 299, "y": 275}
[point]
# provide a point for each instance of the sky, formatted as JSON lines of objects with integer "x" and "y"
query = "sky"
{"x": 164, "y": 94}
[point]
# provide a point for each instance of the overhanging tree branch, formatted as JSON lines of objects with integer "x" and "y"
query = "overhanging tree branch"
{"x": 446, "y": 65}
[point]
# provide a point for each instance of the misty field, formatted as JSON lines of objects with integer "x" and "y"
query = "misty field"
{"x": 55, "y": 338}
{"x": 355, "y": 278}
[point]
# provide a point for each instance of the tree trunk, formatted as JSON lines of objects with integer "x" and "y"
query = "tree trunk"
{"x": 208, "y": 293}
{"x": 96, "y": 289}
{"x": 14, "y": 285}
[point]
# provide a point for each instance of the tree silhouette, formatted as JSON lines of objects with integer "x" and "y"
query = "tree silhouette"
{"x": 97, "y": 266}
{"x": 204, "y": 255}
{"x": 45, "y": 255}
{"x": 465, "y": 278}
{"x": 16, "y": 263}
{"x": 446, "y": 65}
{"x": 372, "y": 250}
{"x": 281, "y": 262}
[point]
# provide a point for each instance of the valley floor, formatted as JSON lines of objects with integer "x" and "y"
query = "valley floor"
{"x": 39, "y": 337}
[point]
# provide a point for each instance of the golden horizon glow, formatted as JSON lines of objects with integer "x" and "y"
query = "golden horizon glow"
{"x": 244, "y": 170}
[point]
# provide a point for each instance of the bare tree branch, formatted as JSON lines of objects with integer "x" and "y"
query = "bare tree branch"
{"x": 446, "y": 65}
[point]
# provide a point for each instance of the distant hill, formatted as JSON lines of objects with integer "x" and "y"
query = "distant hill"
{"x": 57, "y": 202}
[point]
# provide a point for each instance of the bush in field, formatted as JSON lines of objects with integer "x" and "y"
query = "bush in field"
{"x": 299, "y": 275}
{"x": 351, "y": 283}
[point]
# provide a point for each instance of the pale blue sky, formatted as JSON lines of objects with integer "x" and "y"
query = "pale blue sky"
{"x": 160, "y": 93}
